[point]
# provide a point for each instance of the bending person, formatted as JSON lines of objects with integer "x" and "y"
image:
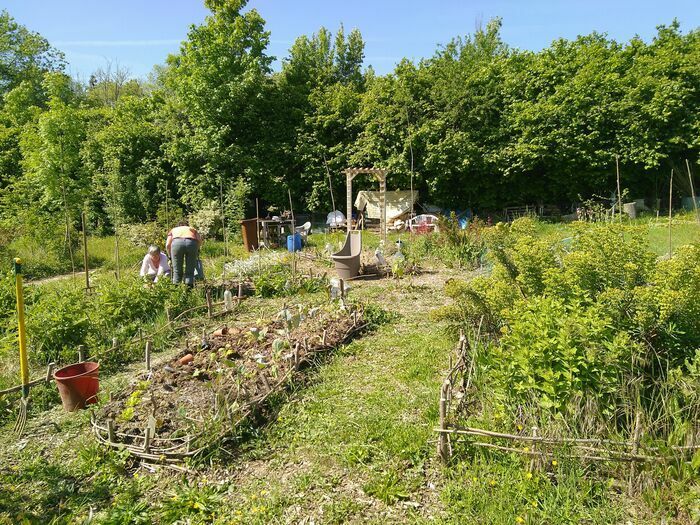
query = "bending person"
{"x": 154, "y": 264}
{"x": 183, "y": 246}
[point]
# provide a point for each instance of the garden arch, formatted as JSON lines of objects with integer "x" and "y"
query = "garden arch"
{"x": 380, "y": 174}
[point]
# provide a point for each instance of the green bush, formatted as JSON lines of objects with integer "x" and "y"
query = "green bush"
{"x": 453, "y": 246}
{"x": 595, "y": 331}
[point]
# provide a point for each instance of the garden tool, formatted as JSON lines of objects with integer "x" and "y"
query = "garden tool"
{"x": 23, "y": 364}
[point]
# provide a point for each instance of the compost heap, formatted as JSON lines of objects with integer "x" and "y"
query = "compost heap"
{"x": 229, "y": 374}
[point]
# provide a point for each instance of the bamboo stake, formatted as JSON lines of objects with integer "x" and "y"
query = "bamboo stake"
{"x": 670, "y": 215}
{"x": 692, "y": 191}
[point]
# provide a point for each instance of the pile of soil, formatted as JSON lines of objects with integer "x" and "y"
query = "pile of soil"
{"x": 219, "y": 382}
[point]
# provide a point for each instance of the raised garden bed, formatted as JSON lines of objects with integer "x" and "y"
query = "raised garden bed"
{"x": 204, "y": 393}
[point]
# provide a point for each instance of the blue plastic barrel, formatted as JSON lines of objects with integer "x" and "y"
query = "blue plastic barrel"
{"x": 294, "y": 242}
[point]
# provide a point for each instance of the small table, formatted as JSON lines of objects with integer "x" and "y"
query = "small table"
{"x": 273, "y": 232}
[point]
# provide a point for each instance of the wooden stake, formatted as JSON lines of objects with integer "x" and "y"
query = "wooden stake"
{"x": 323, "y": 340}
{"x": 257, "y": 221}
{"x": 81, "y": 353}
{"x": 635, "y": 449}
{"x": 209, "y": 304}
{"x": 670, "y": 214}
{"x": 49, "y": 371}
{"x": 342, "y": 288}
{"x": 532, "y": 459}
{"x": 443, "y": 448}
{"x": 110, "y": 431}
{"x": 692, "y": 191}
{"x": 147, "y": 440}
{"x": 116, "y": 233}
{"x": 240, "y": 291}
{"x": 115, "y": 343}
{"x": 619, "y": 193}
{"x": 148, "y": 355}
{"x": 291, "y": 209}
{"x": 85, "y": 254}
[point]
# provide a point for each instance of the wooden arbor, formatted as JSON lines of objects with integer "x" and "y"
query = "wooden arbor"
{"x": 380, "y": 174}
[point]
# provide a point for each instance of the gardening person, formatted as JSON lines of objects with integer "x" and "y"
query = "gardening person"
{"x": 154, "y": 264}
{"x": 183, "y": 246}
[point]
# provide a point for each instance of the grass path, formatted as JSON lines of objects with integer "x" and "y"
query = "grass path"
{"x": 356, "y": 446}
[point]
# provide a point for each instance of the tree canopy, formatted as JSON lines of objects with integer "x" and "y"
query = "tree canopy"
{"x": 478, "y": 124}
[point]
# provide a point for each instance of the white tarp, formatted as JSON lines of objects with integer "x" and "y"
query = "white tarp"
{"x": 398, "y": 203}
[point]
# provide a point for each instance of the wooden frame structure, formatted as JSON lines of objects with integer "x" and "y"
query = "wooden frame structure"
{"x": 380, "y": 174}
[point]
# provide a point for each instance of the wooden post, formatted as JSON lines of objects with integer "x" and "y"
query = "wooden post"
{"x": 692, "y": 191}
{"x": 148, "y": 355}
{"x": 115, "y": 343}
{"x": 257, "y": 221}
{"x": 342, "y": 288}
{"x": 147, "y": 440}
{"x": 85, "y": 254}
{"x": 240, "y": 291}
{"x": 532, "y": 460}
{"x": 348, "y": 218}
{"x": 443, "y": 447}
{"x": 81, "y": 353}
{"x": 382, "y": 198}
{"x": 670, "y": 215}
{"x": 635, "y": 449}
{"x": 49, "y": 371}
{"x": 110, "y": 431}
{"x": 323, "y": 340}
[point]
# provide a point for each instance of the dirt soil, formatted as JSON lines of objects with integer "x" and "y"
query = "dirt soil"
{"x": 228, "y": 372}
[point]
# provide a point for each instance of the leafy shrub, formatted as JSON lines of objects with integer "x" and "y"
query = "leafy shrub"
{"x": 63, "y": 316}
{"x": 455, "y": 247}
{"x": 207, "y": 220}
{"x": 596, "y": 330}
{"x": 278, "y": 282}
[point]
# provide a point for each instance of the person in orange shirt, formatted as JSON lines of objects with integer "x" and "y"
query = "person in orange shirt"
{"x": 183, "y": 245}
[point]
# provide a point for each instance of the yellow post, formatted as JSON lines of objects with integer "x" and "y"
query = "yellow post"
{"x": 23, "y": 363}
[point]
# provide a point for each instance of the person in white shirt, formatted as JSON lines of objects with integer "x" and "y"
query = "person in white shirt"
{"x": 155, "y": 264}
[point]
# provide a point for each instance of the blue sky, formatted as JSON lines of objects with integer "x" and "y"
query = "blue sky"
{"x": 140, "y": 33}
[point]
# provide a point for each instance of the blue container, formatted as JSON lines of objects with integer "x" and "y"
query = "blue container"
{"x": 294, "y": 242}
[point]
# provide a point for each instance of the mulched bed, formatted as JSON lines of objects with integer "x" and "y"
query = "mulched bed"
{"x": 206, "y": 392}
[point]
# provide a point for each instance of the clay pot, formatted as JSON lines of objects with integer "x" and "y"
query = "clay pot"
{"x": 185, "y": 359}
